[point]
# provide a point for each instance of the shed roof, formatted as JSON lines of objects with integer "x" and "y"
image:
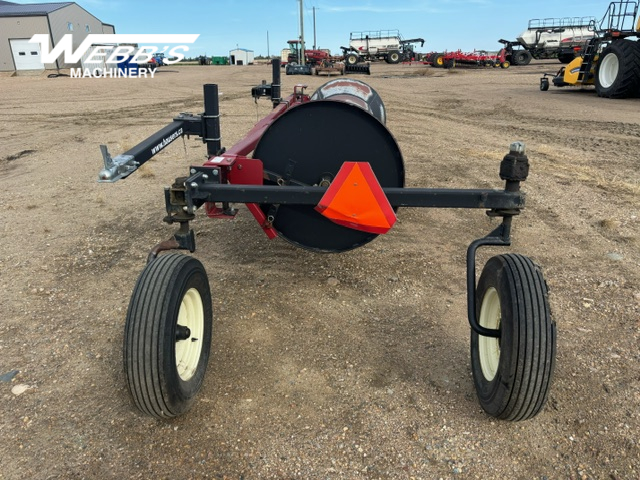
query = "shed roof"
{"x": 8, "y": 9}
{"x": 242, "y": 49}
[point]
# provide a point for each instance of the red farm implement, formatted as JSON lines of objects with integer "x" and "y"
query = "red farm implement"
{"x": 475, "y": 58}
{"x": 329, "y": 203}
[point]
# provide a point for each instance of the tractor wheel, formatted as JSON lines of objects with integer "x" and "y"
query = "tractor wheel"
{"x": 167, "y": 335}
{"x": 521, "y": 57}
{"x": 393, "y": 57}
{"x": 449, "y": 63}
{"x": 512, "y": 374}
{"x": 351, "y": 59}
{"x": 438, "y": 60}
{"x": 618, "y": 70}
{"x": 505, "y": 64}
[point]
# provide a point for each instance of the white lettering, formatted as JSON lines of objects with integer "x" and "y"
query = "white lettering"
{"x": 140, "y": 72}
{"x": 144, "y": 55}
{"x": 66, "y": 43}
{"x": 98, "y": 54}
{"x": 120, "y": 53}
{"x": 178, "y": 56}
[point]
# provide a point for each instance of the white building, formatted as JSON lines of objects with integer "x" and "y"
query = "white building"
{"x": 19, "y": 22}
{"x": 241, "y": 56}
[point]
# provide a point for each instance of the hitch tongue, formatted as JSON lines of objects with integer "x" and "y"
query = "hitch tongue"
{"x": 116, "y": 168}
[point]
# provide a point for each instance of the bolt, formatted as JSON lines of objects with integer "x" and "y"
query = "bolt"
{"x": 517, "y": 147}
{"x": 185, "y": 209}
{"x": 215, "y": 173}
{"x": 194, "y": 185}
{"x": 193, "y": 170}
{"x": 205, "y": 176}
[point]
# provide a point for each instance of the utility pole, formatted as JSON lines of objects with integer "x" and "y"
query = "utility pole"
{"x": 314, "y": 28}
{"x": 301, "y": 59}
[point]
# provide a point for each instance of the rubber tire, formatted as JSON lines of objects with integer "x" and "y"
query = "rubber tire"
{"x": 521, "y": 57}
{"x": 393, "y": 57}
{"x": 149, "y": 351}
{"x": 449, "y": 63}
{"x": 527, "y": 345}
{"x": 351, "y": 59}
{"x": 626, "y": 83}
{"x": 438, "y": 60}
{"x": 505, "y": 64}
{"x": 544, "y": 84}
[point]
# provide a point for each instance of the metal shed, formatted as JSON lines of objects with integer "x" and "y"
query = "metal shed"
{"x": 19, "y": 22}
{"x": 241, "y": 56}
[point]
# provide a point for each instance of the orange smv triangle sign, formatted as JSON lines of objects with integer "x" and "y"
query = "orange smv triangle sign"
{"x": 356, "y": 200}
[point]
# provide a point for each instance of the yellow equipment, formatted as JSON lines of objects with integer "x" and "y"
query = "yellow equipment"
{"x": 611, "y": 59}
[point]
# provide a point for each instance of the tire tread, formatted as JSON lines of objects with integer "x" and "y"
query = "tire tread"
{"x": 143, "y": 352}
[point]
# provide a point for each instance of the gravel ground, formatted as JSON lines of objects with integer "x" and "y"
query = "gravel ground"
{"x": 323, "y": 366}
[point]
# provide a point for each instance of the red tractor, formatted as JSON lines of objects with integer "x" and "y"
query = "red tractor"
{"x": 311, "y": 57}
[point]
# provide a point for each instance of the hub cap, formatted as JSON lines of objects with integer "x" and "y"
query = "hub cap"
{"x": 609, "y": 70}
{"x": 489, "y": 347}
{"x": 191, "y": 326}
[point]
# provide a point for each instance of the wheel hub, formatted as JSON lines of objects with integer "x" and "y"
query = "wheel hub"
{"x": 190, "y": 326}
{"x": 489, "y": 347}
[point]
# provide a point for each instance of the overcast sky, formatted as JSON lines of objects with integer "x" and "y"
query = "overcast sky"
{"x": 226, "y": 24}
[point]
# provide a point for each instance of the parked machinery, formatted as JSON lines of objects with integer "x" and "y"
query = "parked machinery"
{"x": 326, "y": 201}
{"x": 550, "y": 38}
{"x": 475, "y": 58}
{"x": 387, "y": 45}
{"x": 315, "y": 61}
{"x": 611, "y": 60}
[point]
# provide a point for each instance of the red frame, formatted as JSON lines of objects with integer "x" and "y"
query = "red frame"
{"x": 237, "y": 168}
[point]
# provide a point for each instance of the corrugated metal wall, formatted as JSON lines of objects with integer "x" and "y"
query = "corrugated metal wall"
{"x": 18, "y": 27}
{"x": 83, "y": 23}
{"x": 25, "y": 27}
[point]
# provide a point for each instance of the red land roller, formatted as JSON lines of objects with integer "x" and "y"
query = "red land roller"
{"x": 324, "y": 173}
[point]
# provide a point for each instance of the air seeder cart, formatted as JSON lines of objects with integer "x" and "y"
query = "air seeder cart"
{"x": 328, "y": 201}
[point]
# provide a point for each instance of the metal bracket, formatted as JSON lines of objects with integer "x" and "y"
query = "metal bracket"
{"x": 116, "y": 168}
{"x": 501, "y": 236}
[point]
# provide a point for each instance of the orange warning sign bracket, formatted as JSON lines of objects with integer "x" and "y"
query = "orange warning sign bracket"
{"x": 356, "y": 200}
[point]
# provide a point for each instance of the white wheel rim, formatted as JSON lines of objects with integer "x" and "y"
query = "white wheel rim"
{"x": 489, "y": 347}
{"x": 608, "y": 72}
{"x": 191, "y": 316}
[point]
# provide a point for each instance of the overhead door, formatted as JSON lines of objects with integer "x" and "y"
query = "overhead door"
{"x": 26, "y": 55}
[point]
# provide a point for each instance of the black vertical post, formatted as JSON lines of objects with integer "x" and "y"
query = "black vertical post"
{"x": 275, "y": 83}
{"x": 211, "y": 116}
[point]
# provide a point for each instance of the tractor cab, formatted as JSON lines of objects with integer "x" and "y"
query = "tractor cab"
{"x": 294, "y": 52}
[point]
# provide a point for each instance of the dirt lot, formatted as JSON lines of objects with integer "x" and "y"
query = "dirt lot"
{"x": 323, "y": 366}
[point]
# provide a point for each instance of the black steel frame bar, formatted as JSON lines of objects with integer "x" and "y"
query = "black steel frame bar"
{"x": 398, "y": 197}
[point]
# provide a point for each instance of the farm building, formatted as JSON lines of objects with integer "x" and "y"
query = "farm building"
{"x": 241, "y": 56}
{"x": 19, "y": 22}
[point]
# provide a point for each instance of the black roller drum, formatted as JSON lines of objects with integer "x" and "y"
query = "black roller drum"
{"x": 308, "y": 145}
